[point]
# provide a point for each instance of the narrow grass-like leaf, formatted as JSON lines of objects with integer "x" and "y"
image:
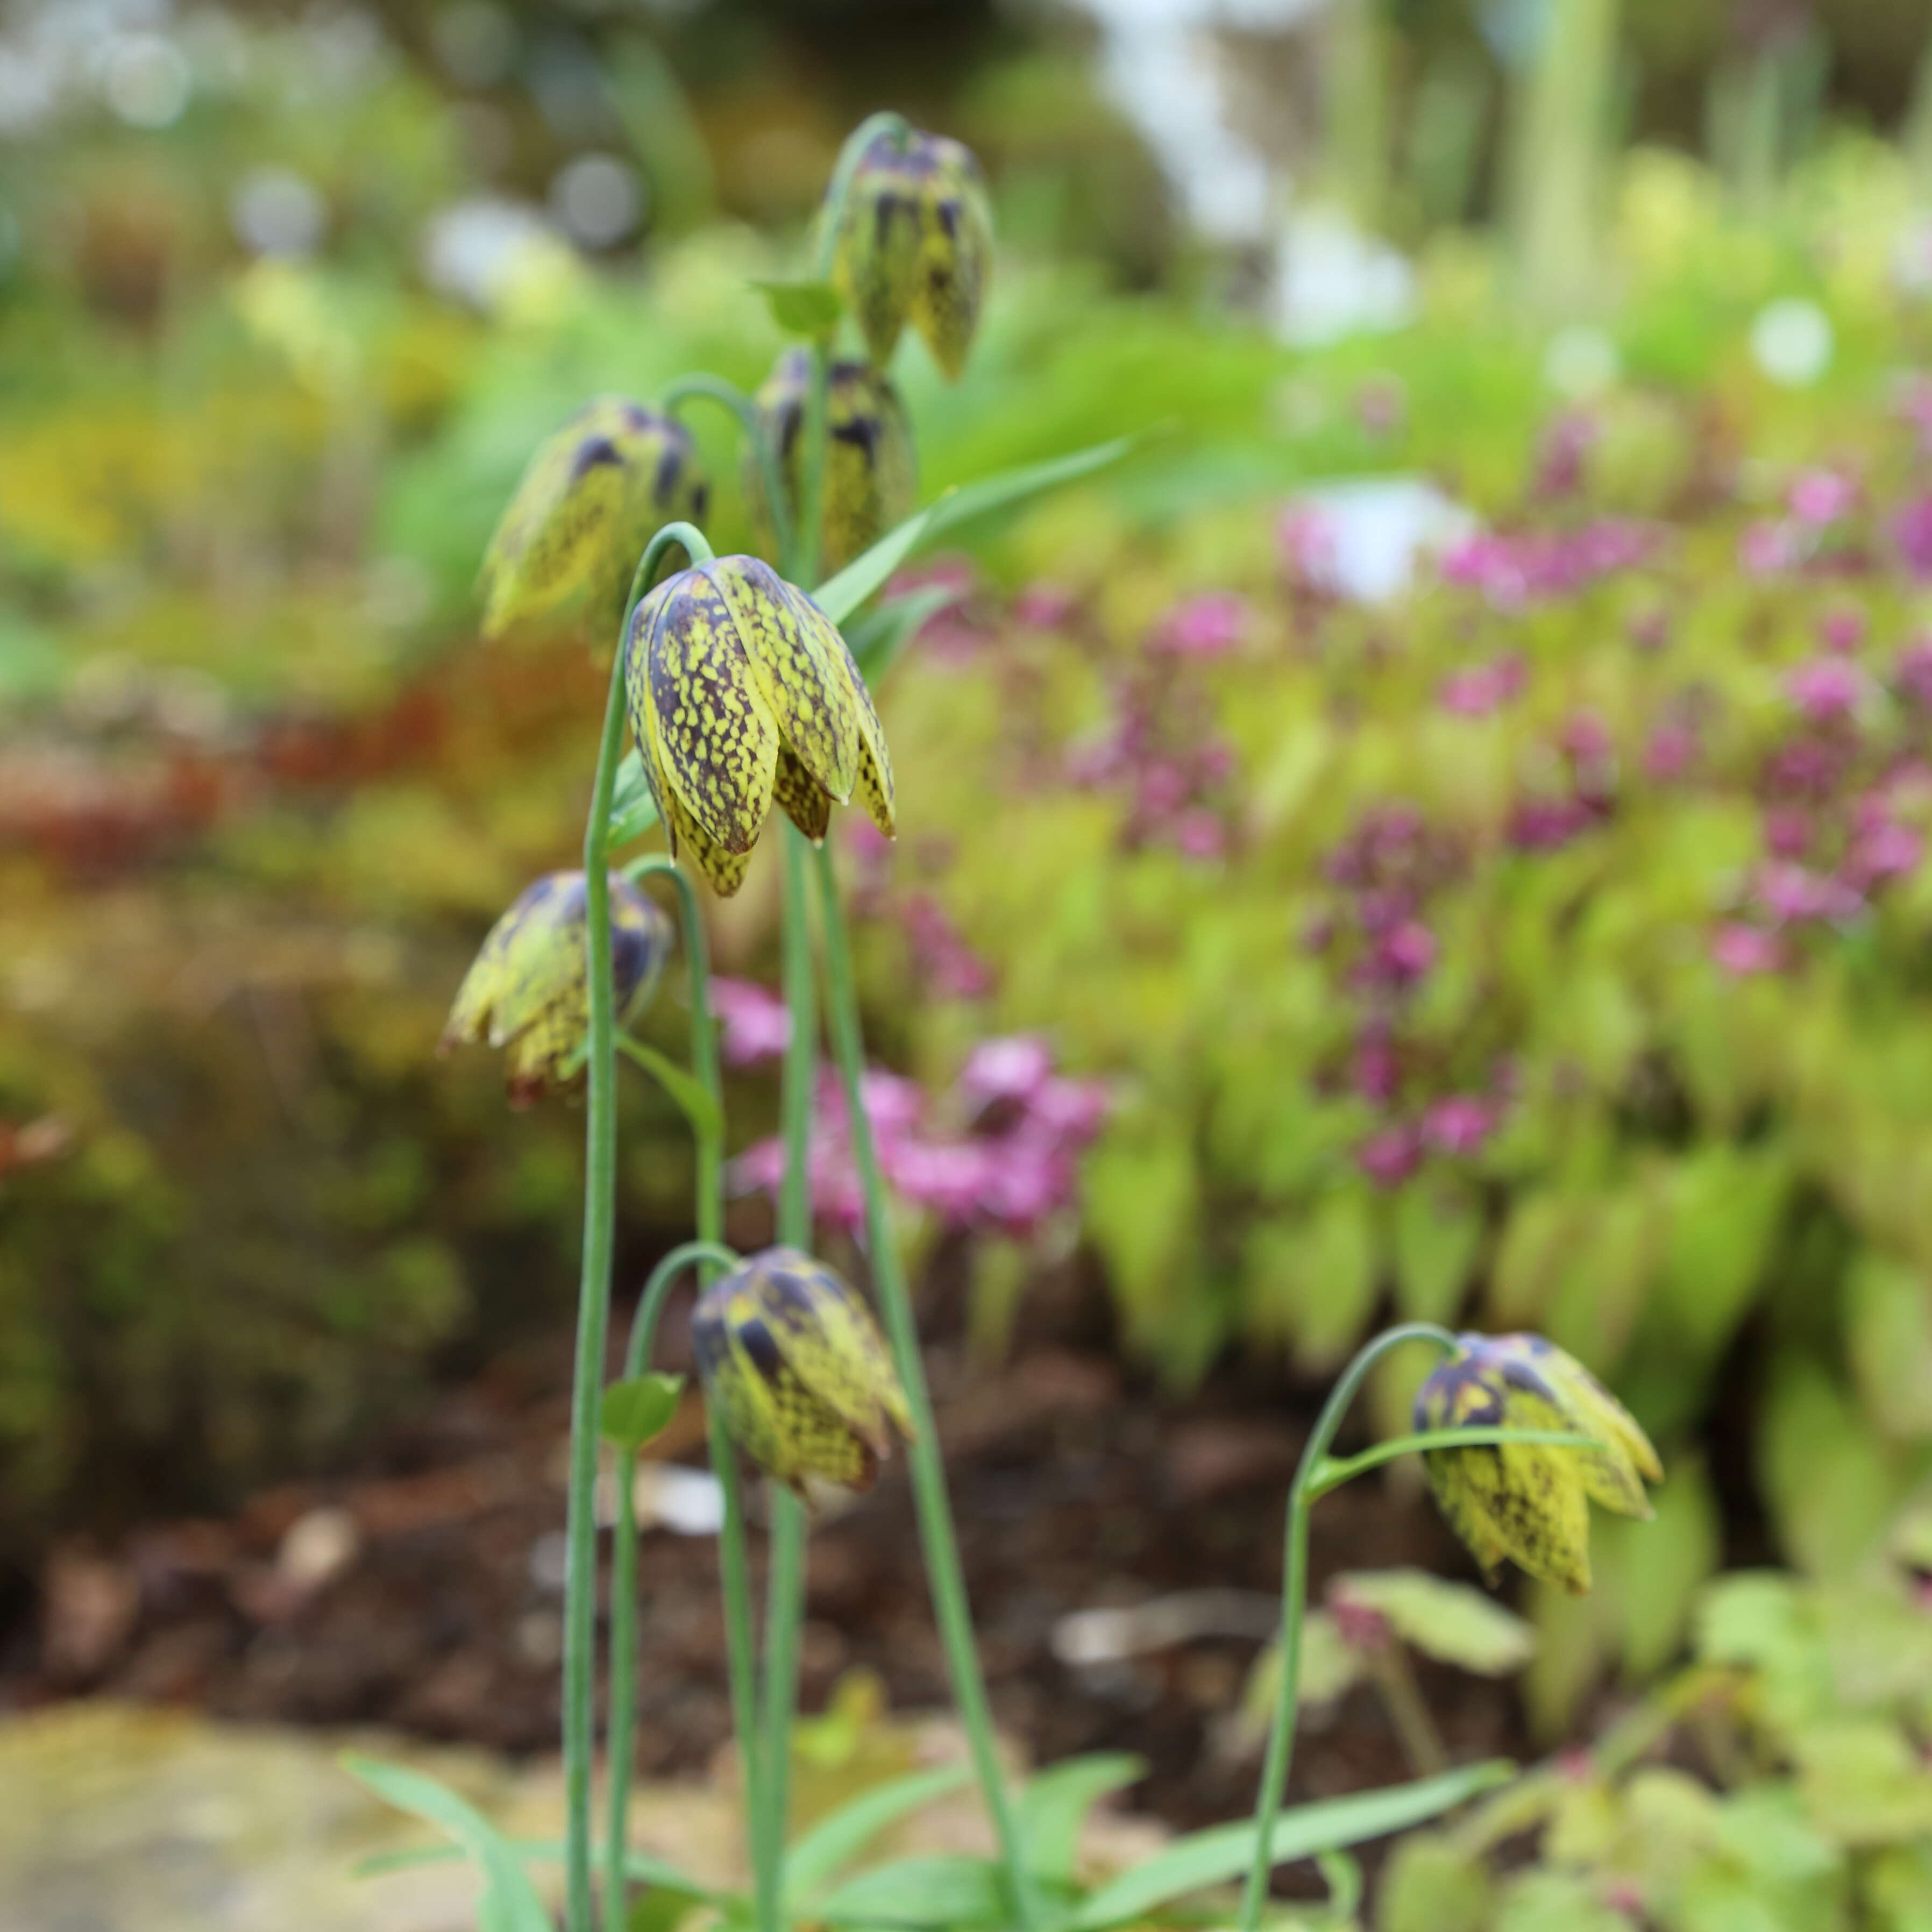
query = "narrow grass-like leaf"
{"x": 839, "y": 596}
{"x": 1224, "y": 1852}
{"x": 949, "y": 1891}
{"x": 839, "y": 1837}
{"x": 877, "y": 639}
{"x": 639, "y": 1865}
{"x": 1010, "y": 487}
{"x": 1055, "y": 1805}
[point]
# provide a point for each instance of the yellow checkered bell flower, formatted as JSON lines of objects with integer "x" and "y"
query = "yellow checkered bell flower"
{"x": 741, "y": 691}
{"x": 799, "y": 1373}
{"x": 871, "y": 473}
{"x": 527, "y": 992}
{"x": 1529, "y": 1501}
{"x": 915, "y": 244}
{"x": 589, "y": 501}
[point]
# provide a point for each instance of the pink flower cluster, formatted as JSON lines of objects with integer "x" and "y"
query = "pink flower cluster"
{"x": 1477, "y": 690}
{"x": 1531, "y": 566}
{"x": 1001, "y": 1151}
{"x": 1211, "y": 625}
{"x": 1161, "y": 751}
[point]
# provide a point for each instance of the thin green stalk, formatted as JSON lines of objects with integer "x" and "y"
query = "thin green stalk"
{"x": 1294, "y": 1595}
{"x": 950, "y": 1607}
{"x": 1334, "y": 1473}
{"x": 728, "y": 395}
{"x": 624, "y": 1587}
{"x": 784, "y": 1600}
{"x": 593, "y": 1298}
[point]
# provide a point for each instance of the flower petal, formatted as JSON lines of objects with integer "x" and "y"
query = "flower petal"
{"x": 804, "y": 799}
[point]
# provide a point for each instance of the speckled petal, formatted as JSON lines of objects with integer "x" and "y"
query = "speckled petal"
{"x": 714, "y": 742}
{"x": 830, "y": 1340}
{"x": 794, "y": 651}
{"x": 801, "y": 797}
{"x": 956, "y": 257}
{"x": 875, "y": 266}
{"x": 874, "y": 785}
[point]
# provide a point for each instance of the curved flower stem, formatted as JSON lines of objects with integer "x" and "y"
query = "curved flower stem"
{"x": 950, "y": 1607}
{"x": 593, "y": 1295}
{"x": 784, "y": 1587}
{"x": 1294, "y": 1594}
{"x": 729, "y": 396}
{"x": 1333, "y": 1472}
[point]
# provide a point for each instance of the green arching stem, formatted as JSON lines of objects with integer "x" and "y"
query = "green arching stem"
{"x": 1293, "y": 1594}
{"x": 728, "y": 395}
{"x": 1333, "y": 1473}
{"x": 593, "y": 1296}
{"x": 624, "y": 1588}
{"x": 950, "y": 1608}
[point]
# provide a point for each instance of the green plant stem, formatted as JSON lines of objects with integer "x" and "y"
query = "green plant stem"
{"x": 1394, "y": 1679}
{"x": 1293, "y": 1596}
{"x": 769, "y": 460}
{"x": 950, "y": 1607}
{"x": 784, "y": 1600}
{"x": 624, "y": 1585}
{"x": 1334, "y": 1473}
{"x": 593, "y": 1298}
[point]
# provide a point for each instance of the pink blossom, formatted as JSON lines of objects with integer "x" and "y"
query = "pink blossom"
{"x": 1480, "y": 689}
{"x": 1912, "y": 673}
{"x": 1015, "y": 1066}
{"x": 1209, "y": 625}
{"x": 1304, "y": 538}
{"x": 1912, "y": 532}
{"x": 1585, "y": 736}
{"x": 1512, "y": 570}
{"x": 949, "y": 1176}
{"x": 753, "y": 1020}
{"x": 1886, "y": 851}
{"x": 1408, "y": 952}
{"x": 1787, "y": 831}
{"x": 1670, "y": 751}
{"x": 1377, "y": 1076}
{"x": 1459, "y": 1124}
{"x": 1566, "y": 443}
{"x": 1027, "y": 1180}
{"x": 1164, "y": 788}
{"x": 1824, "y": 687}
{"x": 1791, "y": 893}
{"x": 1070, "y": 1110}
{"x": 1842, "y": 631}
{"x": 1768, "y": 549}
{"x": 1742, "y": 950}
{"x": 1548, "y": 824}
{"x": 1822, "y": 497}
{"x": 943, "y": 959}
{"x": 1045, "y": 606}
{"x": 1199, "y": 834}
{"x": 1390, "y": 1157}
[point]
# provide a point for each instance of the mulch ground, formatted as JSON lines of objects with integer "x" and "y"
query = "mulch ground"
{"x": 422, "y": 1588}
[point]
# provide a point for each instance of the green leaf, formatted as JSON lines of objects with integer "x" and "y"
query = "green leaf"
{"x": 948, "y": 1890}
{"x": 633, "y": 811}
{"x": 1010, "y": 487}
{"x": 639, "y": 1865}
{"x": 633, "y": 1412}
{"x": 509, "y": 1900}
{"x": 877, "y": 639}
{"x": 809, "y": 309}
{"x": 842, "y": 1834}
{"x": 839, "y": 596}
{"x": 1225, "y": 1852}
{"x": 1055, "y": 1803}
{"x": 683, "y": 1087}
{"x": 1449, "y": 1621}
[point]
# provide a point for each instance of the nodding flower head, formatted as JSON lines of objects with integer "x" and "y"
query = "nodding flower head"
{"x": 916, "y": 245}
{"x": 587, "y": 504}
{"x": 798, "y": 1370}
{"x": 741, "y": 691}
{"x": 1529, "y": 1502}
{"x": 527, "y": 990}
{"x": 871, "y": 476}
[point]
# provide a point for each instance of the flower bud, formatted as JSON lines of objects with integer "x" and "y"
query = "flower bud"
{"x": 588, "y": 503}
{"x": 799, "y": 1373}
{"x": 870, "y": 474}
{"x": 527, "y": 990}
{"x": 915, "y": 244}
{"x": 740, "y": 691}
{"x": 1525, "y": 1501}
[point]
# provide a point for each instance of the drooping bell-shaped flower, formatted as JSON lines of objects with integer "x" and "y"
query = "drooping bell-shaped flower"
{"x": 1529, "y": 1502}
{"x": 871, "y": 474}
{"x": 589, "y": 501}
{"x": 740, "y": 691}
{"x": 801, "y": 1375}
{"x": 527, "y": 990}
{"x": 916, "y": 245}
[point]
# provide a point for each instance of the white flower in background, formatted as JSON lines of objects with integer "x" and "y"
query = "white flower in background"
{"x": 1336, "y": 281}
{"x": 1791, "y": 341}
{"x": 598, "y": 198}
{"x": 500, "y": 255}
{"x": 276, "y": 211}
{"x": 145, "y": 80}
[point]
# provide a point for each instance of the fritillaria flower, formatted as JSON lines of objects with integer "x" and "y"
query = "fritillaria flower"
{"x": 527, "y": 990}
{"x": 741, "y": 691}
{"x": 800, "y": 1374}
{"x": 871, "y": 474}
{"x": 1529, "y": 1501}
{"x": 593, "y": 494}
{"x": 915, "y": 244}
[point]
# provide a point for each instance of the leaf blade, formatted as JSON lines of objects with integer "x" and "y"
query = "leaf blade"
{"x": 816, "y": 1856}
